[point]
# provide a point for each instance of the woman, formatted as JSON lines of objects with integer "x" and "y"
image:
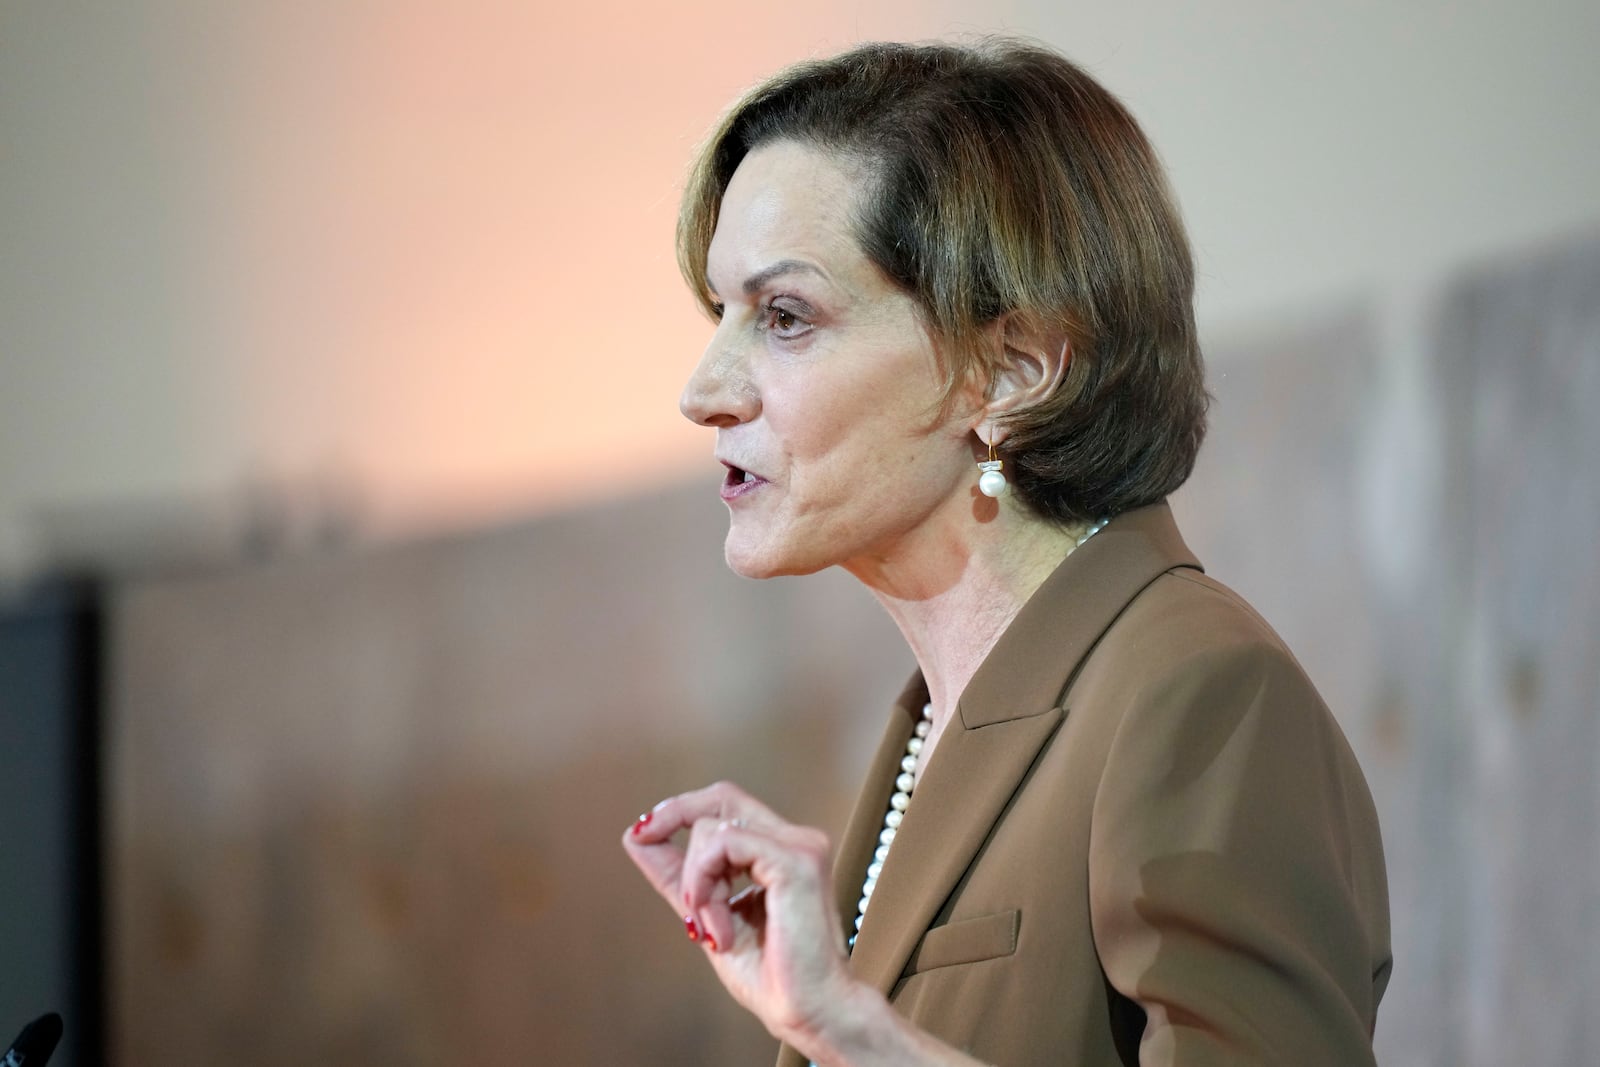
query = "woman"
{"x": 1111, "y": 822}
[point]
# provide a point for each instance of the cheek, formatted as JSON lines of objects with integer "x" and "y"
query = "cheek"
{"x": 861, "y": 412}
{"x": 820, "y": 422}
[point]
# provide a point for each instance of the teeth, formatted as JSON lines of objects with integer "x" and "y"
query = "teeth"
{"x": 749, "y": 477}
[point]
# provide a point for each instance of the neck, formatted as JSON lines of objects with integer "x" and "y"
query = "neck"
{"x": 956, "y": 597}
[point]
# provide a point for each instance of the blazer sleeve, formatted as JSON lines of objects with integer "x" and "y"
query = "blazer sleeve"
{"x": 1236, "y": 875}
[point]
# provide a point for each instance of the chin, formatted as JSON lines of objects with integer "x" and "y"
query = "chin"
{"x": 761, "y": 561}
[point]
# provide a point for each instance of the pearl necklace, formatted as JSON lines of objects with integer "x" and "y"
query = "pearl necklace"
{"x": 906, "y": 781}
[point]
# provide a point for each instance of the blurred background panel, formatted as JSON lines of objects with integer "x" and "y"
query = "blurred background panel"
{"x": 1514, "y": 775}
{"x": 366, "y": 807}
{"x": 348, "y": 526}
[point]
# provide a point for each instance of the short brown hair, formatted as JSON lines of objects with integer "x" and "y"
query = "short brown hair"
{"x": 1006, "y": 182}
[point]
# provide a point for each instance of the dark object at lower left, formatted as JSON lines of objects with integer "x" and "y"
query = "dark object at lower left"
{"x": 34, "y": 1045}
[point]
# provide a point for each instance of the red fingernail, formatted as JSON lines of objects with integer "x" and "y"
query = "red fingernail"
{"x": 643, "y": 821}
{"x": 711, "y": 942}
{"x": 691, "y": 928}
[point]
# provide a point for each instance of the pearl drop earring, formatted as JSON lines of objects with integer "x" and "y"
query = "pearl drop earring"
{"x": 991, "y": 482}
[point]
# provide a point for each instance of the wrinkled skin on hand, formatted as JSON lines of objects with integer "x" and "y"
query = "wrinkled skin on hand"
{"x": 775, "y": 944}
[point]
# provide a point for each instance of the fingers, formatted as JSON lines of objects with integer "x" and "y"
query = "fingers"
{"x": 731, "y": 835}
{"x": 661, "y": 863}
{"x": 648, "y": 841}
{"x": 721, "y": 800}
{"x": 777, "y": 944}
{"x": 777, "y": 857}
{"x": 711, "y": 863}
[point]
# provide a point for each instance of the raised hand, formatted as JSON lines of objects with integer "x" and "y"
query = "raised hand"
{"x": 776, "y": 943}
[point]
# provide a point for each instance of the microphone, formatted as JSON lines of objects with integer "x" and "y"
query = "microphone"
{"x": 34, "y": 1045}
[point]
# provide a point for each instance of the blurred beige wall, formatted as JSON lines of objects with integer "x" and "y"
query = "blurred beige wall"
{"x": 413, "y": 260}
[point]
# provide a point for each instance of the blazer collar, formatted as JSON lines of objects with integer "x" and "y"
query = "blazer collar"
{"x": 1008, "y": 711}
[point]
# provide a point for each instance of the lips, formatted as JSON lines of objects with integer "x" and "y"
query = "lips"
{"x": 739, "y": 481}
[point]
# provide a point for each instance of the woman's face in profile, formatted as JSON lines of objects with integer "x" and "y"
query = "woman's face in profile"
{"x": 822, "y": 384}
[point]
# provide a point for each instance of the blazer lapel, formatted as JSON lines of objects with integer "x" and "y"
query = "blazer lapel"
{"x": 1009, "y": 710}
{"x": 962, "y": 793}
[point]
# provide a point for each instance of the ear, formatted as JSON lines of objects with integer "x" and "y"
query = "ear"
{"x": 1031, "y": 365}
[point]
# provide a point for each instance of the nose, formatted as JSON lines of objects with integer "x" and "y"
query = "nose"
{"x": 720, "y": 392}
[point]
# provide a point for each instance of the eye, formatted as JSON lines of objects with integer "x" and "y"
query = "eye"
{"x": 714, "y": 307}
{"x": 782, "y": 321}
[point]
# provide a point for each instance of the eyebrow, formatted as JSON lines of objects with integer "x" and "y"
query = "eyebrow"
{"x": 760, "y": 278}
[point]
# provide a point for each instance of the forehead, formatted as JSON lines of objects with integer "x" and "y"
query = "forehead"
{"x": 787, "y": 201}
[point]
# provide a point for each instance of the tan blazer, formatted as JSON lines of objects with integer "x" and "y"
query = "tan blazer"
{"x": 1141, "y": 840}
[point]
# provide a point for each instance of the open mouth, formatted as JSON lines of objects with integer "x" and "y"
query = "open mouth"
{"x": 738, "y": 481}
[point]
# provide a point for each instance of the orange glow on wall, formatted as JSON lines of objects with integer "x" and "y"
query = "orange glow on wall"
{"x": 439, "y": 241}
